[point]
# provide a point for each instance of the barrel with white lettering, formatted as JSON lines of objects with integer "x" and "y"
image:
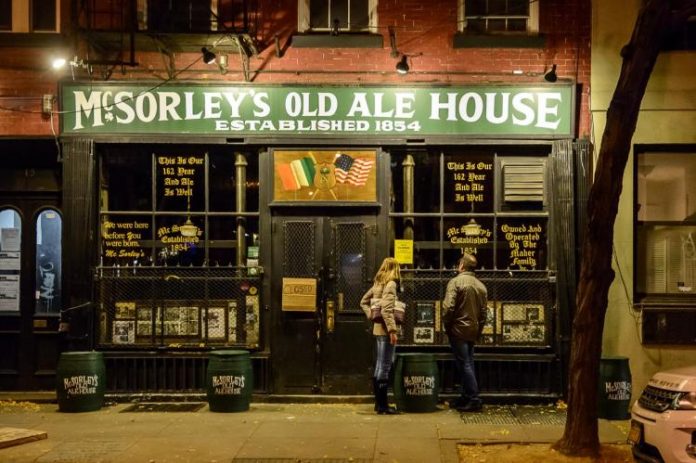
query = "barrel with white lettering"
{"x": 80, "y": 381}
{"x": 614, "y": 388}
{"x": 229, "y": 380}
{"x": 416, "y": 383}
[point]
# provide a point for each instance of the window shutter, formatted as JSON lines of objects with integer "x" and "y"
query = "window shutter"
{"x": 523, "y": 182}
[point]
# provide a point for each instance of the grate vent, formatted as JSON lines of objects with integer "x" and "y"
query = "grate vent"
{"x": 164, "y": 407}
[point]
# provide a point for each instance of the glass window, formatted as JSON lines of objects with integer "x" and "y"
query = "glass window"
{"x": 342, "y": 15}
{"x": 49, "y": 227}
{"x": 190, "y": 221}
{"x": 43, "y": 15}
{"x": 499, "y": 16}
{"x": 683, "y": 38}
{"x": 666, "y": 223}
{"x": 10, "y": 259}
{"x": 462, "y": 215}
{"x": 126, "y": 181}
{"x": 5, "y": 15}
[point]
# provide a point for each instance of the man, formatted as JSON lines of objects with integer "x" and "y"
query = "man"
{"x": 464, "y": 314}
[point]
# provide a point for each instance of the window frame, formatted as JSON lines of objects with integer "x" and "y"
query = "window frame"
{"x": 22, "y": 14}
{"x": 532, "y": 21}
{"x": 641, "y": 295}
{"x": 303, "y": 19}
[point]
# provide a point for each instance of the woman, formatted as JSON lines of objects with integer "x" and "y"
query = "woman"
{"x": 383, "y": 291}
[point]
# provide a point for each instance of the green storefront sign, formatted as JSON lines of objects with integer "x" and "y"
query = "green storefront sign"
{"x": 544, "y": 111}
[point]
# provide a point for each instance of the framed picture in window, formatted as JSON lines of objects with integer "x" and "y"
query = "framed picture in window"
{"x": 123, "y": 332}
{"x": 124, "y": 310}
{"x": 214, "y": 323}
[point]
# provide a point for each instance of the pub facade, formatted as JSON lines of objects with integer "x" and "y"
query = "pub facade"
{"x": 251, "y": 209}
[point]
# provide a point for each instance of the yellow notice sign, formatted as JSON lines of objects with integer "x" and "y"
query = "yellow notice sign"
{"x": 403, "y": 251}
{"x": 299, "y": 295}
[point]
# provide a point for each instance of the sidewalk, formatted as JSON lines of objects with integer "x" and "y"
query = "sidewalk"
{"x": 274, "y": 432}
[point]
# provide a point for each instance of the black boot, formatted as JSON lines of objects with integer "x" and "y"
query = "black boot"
{"x": 375, "y": 390}
{"x": 383, "y": 407}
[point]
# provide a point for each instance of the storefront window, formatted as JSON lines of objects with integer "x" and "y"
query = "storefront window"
{"x": 10, "y": 259}
{"x": 492, "y": 204}
{"x": 196, "y": 214}
{"x": 49, "y": 225}
{"x": 666, "y": 224}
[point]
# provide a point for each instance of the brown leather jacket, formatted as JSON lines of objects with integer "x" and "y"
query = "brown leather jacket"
{"x": 387, "y": 296}
{"x": 464, "y": 307}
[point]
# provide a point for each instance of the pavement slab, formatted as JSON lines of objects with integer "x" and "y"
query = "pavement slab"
{"x": 273, "y": 432}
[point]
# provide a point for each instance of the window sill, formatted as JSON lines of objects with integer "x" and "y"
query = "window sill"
{"x": 345, "y": 40}
{"x": 462, "y": 40}
{"x": 31, "y": 39}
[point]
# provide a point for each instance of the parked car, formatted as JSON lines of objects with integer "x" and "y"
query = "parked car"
{"x": 663, "y": 419}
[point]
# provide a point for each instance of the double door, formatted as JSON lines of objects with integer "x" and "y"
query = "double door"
{"x": 327, "y": 348}
{"x": 30, "y": 290}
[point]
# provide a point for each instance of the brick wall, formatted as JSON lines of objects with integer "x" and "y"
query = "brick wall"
{"x": 424, "y": 31}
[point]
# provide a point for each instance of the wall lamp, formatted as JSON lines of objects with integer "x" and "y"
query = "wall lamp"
{"x": 402, "y": 66}
{"x": 551, "y": 75}
{"x": 208, "y": 56}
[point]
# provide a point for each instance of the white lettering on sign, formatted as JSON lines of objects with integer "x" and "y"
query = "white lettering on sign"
{"x": 321, "y": 110}
{"x": 228, "y": 385}
{"x": 618, "y": 390}
{"x": 419, "y": 385}
{"x": 81, "y": 384}
{"x": 471, "y": 108}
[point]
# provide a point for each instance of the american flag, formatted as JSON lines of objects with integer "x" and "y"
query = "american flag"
{"x": 352, "y": 170}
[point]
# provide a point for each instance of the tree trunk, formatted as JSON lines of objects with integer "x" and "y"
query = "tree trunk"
{"x": 580, "y": 437}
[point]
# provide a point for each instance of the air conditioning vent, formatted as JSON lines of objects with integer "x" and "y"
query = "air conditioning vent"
{"x": 523, "y": 182}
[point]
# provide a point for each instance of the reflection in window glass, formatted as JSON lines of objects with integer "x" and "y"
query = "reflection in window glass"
{"x": 49, "y": 226}
{"x": 10, "y": 259}
{"x": 667, "y": 187}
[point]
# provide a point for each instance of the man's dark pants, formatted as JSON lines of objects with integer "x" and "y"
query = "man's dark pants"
{"x": 464, "y": 360}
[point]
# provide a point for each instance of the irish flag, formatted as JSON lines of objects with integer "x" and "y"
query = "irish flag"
{"x": 296, "y": 174}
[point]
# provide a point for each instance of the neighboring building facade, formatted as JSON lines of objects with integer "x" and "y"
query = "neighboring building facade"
{"x": 651, "y": 317}
{"x": 247, "y": 203}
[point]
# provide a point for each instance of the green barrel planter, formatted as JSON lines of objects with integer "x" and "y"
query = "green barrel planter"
{"x": 416, "y": 383}
{"x": 614, "y": 388}
{"x": 229, "y": 381}
{"x": 80, "y": 381}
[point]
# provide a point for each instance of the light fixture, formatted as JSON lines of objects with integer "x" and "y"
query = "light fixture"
{"x": 208, "y": 56}
{"x": 392, "y": 42}
{"x": 58, "y": 62}
{"x": 222, "y": 64}
{"x": 188, "y": 229}
{"x": 47, "y": 105}
{"x": 402, "y": 66}
{"x": 551, "y": 75}
{"x": 472, "y": 228}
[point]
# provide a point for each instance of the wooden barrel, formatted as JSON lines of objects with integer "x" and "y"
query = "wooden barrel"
{"x": 614, "y": 388}
{"x": 416, "y": 383}
{"x": 80, "y": 381}
{"x": 229, "y": 381}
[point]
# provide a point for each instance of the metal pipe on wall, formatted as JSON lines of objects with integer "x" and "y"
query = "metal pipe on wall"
{"x": 240, "y": 165}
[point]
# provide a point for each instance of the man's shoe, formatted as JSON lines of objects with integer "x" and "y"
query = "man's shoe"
{"x": 458, "y": 402}
{"x": 388, "y": 411}
{"x": 471, "y": 407}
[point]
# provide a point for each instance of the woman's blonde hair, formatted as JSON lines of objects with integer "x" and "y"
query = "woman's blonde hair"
{"x": 388, "y": 271}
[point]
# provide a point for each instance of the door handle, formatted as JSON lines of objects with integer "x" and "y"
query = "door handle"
{"x": 330, "y": 314}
